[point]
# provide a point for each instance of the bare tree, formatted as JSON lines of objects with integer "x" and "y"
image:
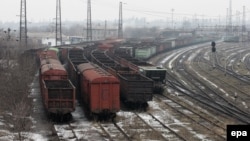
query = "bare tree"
{"x": 16, "y": 73}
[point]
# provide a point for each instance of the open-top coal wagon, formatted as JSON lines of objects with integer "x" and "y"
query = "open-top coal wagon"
{"x": 135, "y": 88}
{"x": 58, "y": 93}
{"x": 58, "y": 96}
{"x": 75, "y": 57}
{"x": 156, "y": 73}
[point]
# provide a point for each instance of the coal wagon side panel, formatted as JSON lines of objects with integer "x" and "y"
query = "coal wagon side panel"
{"x": 72, "y": 73}
{"x": 59, "y": 96}
{"x": 75, "y": 57}
{"x": 136, "y": 88}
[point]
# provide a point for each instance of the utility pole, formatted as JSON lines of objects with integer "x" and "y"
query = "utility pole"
{"x": 229, "y": 26}
{"x": 89, "y": 23}
{"x": 120, "y": 32}
{"x": 8, "y": 34}
{"x": 172, "y": 18}
{"x": 105, "y": 29}
{"x": 244, "y": 19}
{"x": 58, "y": 23}
{"x": 230, "y": 16}
{"x": 243, "y": 28}
{"x": 23, "y": 25}
{"x": 227, "y": 22}
{"x": 213, "y": 44}
{"x": 238, "y": 23}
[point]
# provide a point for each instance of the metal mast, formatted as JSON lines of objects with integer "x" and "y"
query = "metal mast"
{"x": 120, "y": 33}
{"x": 58, "y": 23}
{"x": 172, "y": 18}
{"x": 230, "y": 16}
{"x": 89, "y": 23}
{"x": 105, "y": 29}
{"x": 244, "y": 19}
{"x": 23, "y": 25}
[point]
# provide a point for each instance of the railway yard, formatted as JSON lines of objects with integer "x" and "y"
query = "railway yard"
{"x": 203, "y": 92}
{"x": 143, "y": 71}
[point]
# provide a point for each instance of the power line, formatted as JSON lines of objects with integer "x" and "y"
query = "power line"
{"x": 154, "y": 13}
{"x": 161, "y": 13}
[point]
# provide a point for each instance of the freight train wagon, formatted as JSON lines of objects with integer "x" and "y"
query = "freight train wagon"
{"x": 45, "y": 54}
{"x": 58, "y": 96}
{"x": 58, "y": 93}
{"x": 135, "y": 88}
{"x": 50, "y": 67}
{"x": 157, "y": 74}
{"x": 75, "y": 57}
{"x": 98, "y": 89}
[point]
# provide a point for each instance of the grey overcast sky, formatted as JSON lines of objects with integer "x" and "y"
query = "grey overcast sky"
{"x": 76, "y": 10}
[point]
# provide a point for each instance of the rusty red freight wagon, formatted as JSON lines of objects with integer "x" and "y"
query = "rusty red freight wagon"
{"x": 99, "y": 89}
{"x": 53, "y": 72}
{"x": 49, "y": 61}
{"x": 58, "y": 96}
{"x": 58, "y": 93}
{"x": 48, "y": 54}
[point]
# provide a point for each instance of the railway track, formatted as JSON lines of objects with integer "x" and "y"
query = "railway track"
{"x": 229, "y": 61}
{"x": 128, "y": 126}
{"x": 194, "y": 89}
{"x": 146, "y": 126}
{"x": 196, "y": 116}
{"x": 137, "y": 128}
{"x": 246, "y": 61}
{"x": 233, "y": 86}
{"x": 78, "y": 129}
{"x": 134, "y": 126}
{"x": 178, "y": 123}
{"x": 131, "y": 126}
{"x": 113, "y": 131}
{"x": 65, "y": 132}
{"x": 158, "y": 126}
{"x": 210, "y": 92}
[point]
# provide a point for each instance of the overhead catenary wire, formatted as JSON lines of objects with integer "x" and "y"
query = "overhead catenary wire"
{"x": 157, "y": 14}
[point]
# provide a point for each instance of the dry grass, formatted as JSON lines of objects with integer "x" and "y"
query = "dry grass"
{"x": 16, "y": 74}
